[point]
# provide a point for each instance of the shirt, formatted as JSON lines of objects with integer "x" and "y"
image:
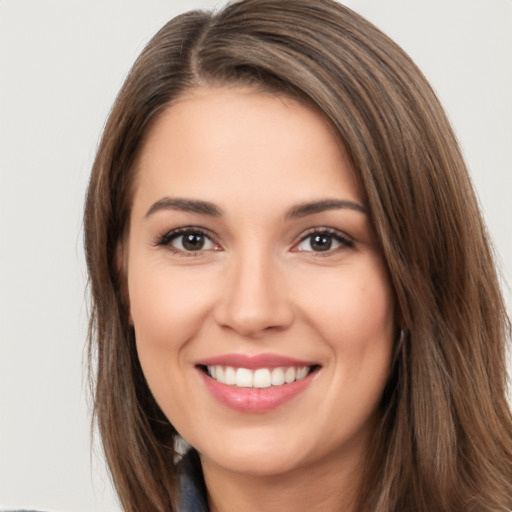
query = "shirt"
{"x": 191, "y": 484}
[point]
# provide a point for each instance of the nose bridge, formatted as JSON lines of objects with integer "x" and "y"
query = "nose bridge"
{"x": 254, "y": 298}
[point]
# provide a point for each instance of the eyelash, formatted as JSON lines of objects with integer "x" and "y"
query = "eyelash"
{"x": 344, "y": 241}
{"x": 167, "y": 239}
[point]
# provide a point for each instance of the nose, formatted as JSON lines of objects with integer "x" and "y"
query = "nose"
{"x": 254, "y": 300}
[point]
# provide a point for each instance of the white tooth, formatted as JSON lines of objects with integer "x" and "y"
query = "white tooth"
{"x": 302, "y": 372}
{"x": 277, "y": 378}
{"x": 261, "y": 378}
{"x": 230, "y": 376}
{"x": 244, "y": 378}
{"x": 289, "y": 375}
{"x": 219, "y": 374}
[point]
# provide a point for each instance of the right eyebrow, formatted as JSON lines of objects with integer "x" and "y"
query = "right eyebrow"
{"x": 304, "y": 209}
{"x": 185, "y": 205}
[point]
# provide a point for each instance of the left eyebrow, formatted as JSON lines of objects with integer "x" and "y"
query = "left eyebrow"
{"x": 304, "y": 209}
{"x": 185, "y": 205}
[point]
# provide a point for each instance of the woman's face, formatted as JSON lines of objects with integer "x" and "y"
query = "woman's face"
{"x": 261, "y": 306}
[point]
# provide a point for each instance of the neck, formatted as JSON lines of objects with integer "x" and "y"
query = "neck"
{"x": 328, "y": 487}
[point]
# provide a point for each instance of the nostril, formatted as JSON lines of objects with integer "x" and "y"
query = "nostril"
{"x": 252, "y": 319}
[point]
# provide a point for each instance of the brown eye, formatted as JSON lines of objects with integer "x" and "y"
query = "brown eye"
{"x": 321, "y": 242}
{"x": 324, "y": 241}
{"x": 193, "y": 241}
{"x": 187, "y": 240}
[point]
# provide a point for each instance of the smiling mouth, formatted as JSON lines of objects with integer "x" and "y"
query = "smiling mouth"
{"x": 259, "y": 378}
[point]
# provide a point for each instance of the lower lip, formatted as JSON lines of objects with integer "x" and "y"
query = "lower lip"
{"x": 255, "y": 399}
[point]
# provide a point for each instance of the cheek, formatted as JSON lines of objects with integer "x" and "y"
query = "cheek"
{"x": 369, "y": 309}
{"x": 356, "y": 323}
{"x": 165, "y": 304}
{"x": 359, "y": 329}
{"x": 167, "y": 310}
{"x": 353, "y": 308}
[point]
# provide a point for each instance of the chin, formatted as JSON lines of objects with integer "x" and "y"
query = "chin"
{"x": 257, "y": 457}
{"x": 255, "y": 463}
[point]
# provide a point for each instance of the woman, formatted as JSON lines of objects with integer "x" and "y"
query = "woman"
{"x": 289, "y": 270}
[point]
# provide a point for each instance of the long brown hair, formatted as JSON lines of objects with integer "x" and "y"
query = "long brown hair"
{"x": 444, "y": 442}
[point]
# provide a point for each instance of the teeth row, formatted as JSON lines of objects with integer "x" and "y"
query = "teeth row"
{"x": 260, "y": 378}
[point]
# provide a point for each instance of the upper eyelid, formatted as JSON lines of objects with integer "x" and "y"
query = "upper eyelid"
{"x": 175, "y": 233}
{"x": 326, "y": 230}
{"x": 172, "y": 234}
{"x": 344, "y": 239}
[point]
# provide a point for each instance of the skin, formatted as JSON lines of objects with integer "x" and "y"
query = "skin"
{"x": 257, "y": 286}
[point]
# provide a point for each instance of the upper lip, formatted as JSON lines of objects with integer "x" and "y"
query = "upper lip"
{"x": 253, "y": 362}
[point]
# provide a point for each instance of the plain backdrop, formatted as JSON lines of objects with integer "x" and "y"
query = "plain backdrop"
{"x": 61, "y": 64}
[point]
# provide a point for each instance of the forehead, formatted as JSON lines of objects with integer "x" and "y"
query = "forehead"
{"x": 242, "y": 142}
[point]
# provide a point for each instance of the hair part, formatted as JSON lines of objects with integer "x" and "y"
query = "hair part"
{"x": 444, "y": 440}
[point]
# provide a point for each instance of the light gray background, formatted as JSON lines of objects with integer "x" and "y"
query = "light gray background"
{"x": 61, "y": 64}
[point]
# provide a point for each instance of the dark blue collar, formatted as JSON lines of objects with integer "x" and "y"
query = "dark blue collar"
{"x": 191, "y": 484}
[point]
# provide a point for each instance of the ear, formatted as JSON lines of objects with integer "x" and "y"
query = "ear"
{"x": 121, "y": 263}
